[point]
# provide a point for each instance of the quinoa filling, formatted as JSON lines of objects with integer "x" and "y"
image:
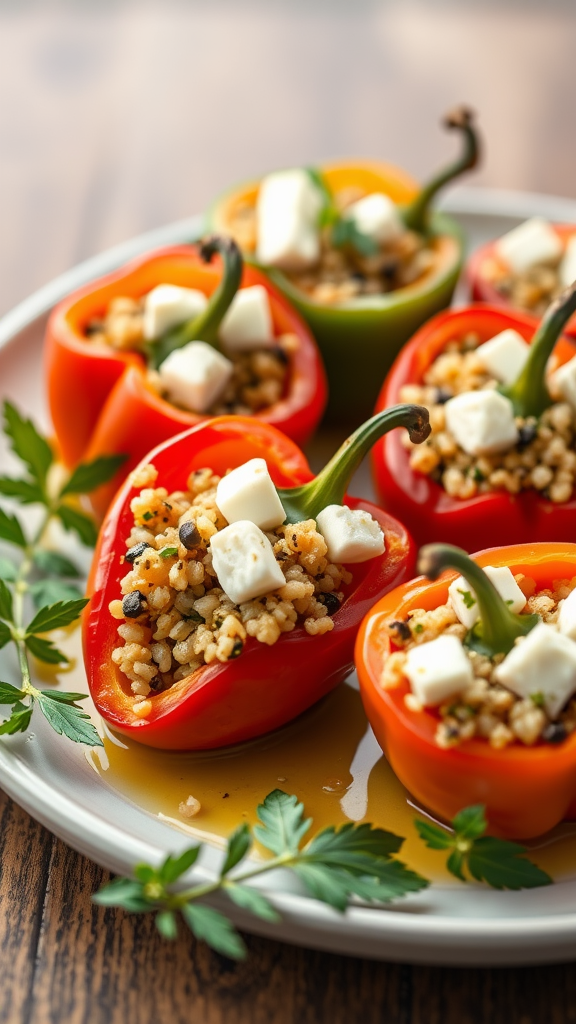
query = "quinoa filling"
{"x": 259, "y": 378}
{"x": 176, "y": 617}
{"x": 342, "y": 274}
{"x": 544, "y": 456}
{"x": 532, "y": 290}
{"x": 485, "y": 709}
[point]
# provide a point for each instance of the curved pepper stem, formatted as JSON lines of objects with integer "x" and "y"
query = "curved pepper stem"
{"x": 330, "y": 486}
{"x": 205, "y": 327}
{"x": 498, "y": 627}
{"x": 416, "y": 214}
{"x": 529, "y": 394}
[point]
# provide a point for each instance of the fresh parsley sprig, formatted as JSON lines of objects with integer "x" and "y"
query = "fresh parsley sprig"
{"x": 498, "y": 862}
{"x": 344, "y": 231}
{"x": 43, "y": 575}
{"x": 334, "y": 866}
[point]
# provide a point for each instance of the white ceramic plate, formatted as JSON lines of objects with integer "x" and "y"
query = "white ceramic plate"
{"x": 53, "y": 780}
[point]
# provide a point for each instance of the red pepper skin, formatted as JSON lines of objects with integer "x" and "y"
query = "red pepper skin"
{"x": 526, "y": 790}
{"x": 100, "y": 402}
{"x": 422, "y": 504}
{"x": 481, "y": 289}
{"x": 265, "y": 687}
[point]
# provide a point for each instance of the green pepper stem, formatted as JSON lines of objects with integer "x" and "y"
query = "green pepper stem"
{"x": 205, "y": 327}
{"x": 497, "y": 627}
{"x": 416, "y": 214}
{"x": 329, "y": 487}
{"x": 528, "y": 393}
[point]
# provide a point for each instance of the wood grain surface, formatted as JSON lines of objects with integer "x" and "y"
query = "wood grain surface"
{"x": 114, "y": 118}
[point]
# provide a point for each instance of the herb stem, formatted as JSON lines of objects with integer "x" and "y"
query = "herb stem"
{"x": 20, "y": 588}
{"x": 178, "y": 900}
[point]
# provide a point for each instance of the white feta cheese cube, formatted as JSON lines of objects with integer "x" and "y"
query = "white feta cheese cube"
{"x": 248, "y": 493}
{"x": 532, "y": 242}
{"x": 195, "y": 375}
{"x": 248, "y": 322}
{"x": 168, "y": 305}
{"x": 481, "y": 422}
{"x": 567, "y": 616}
{"x": 244, "y": 562}
{"x": 351, "y": 535}
{"x": 504, "y": 355}
{"x": 463, "y": 598}
{"x": 287, "y": 213}
{"x": 544, "y": 662}
{"x": 567, "y": 268}
{"x": 438, "y": 669}
{"x": 563, "y": 381}
{"x": 377, "y": 216}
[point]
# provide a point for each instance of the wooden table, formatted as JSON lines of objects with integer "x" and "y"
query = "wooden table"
{"x": 116, "y": 118}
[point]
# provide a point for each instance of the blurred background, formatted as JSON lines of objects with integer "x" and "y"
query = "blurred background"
{"x": 117, "y": 116}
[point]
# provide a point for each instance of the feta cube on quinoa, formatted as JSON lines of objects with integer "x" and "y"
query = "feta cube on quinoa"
{"x": 481, "y": 422}
{"x": 567, "y": 268}
{"x": 567, "y": 616}
{"x": 376, "y": 216}
{"x": 195, "y": 375}
{"x": 543, "y": 663}
{"x": 167, "y": 305}
{"x": 504, "y": 355}
{"x": 248, "y": 322}
{"x": 287, "y": 212}
{"x": 244, "y": 562}
{"x": 248, "y": 493}
{"x": 438, "y": 669}
{"x": 463, "y": 598}
{"x": 564, "y": 381}
{"x": 351, "y": 535}
{"x": 532, "y": 242}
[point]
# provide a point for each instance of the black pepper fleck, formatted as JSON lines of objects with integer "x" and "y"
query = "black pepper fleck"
{"x": 330, "y": 601}
{"x": 133, "y": 604}
{"x": 402, "y": 629}
{"x": 555, "y": 732}
{"x": 526, "y": 435}
{"x": 133, "y": 553}
{"x": 189, "y": 535}
{"x": 236, "y": 650}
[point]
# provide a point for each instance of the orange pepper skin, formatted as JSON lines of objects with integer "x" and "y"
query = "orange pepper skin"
{"x": 419, "y": 501}
{"x": 526, "y": 790}
{"x": 93, "y": 393}
{"x": 371, "y": 334}
{"x": 265, "y": 687}
{"x": 482, "y": 290}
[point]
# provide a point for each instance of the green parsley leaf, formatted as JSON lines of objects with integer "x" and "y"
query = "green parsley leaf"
{"x": 54, "y": 564}
{"x": 27, "y": 443}
{"x": 11, "y": 530}
{"x": 168, "y": 552}
{"x": 10, "y": 694}
{"x": 5, "y": 635}
{"x": 346, "y": 233}
{"x": 90, "y": 475}
{"x": 249, "y": 898}
{"x": 503, "y": 865}
{"x": 62, "y": 697}
{"x": 537, "y": 699}
{"x": 173, "y": 867}
{"x": 49, "y": 592}
{"x": 5, "y": 602}
{"x": 18, "y": 722}
{"x": 498, "y": 862}
{"x": 284, "y": 825}
{"x": 350, "y": 845}
{"x": 214, "y": 929}
{"x": 418, "y": 628}
{"x": 239, "y": 844}
{"x": 329, "y": 212}
{"x": 149, "y": 515}
{"x": 334, "y": 885}
{"x": 70, "y": 721}
{"x": 78, "y": 523}
{"x": 56, "y": 616}
{"x": 45, "y": 650}
{"x": 8, "y": 570}
{"x": 24, "y": 491}
{"x": 469, "y": 601}
{"x": 123, "y": 892}
{"x": 166, "y": 924}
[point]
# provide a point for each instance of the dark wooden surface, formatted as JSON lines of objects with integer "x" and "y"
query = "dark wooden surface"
{"x": 116, "y": 117}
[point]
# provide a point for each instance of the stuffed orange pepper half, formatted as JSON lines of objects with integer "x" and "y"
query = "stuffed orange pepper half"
{"x": 229, "y": 584}
{"x": 359, "y": 251}
{"x": 166, "y": 342}
{"x": 469, "y": 682}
